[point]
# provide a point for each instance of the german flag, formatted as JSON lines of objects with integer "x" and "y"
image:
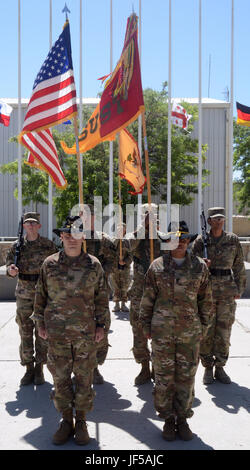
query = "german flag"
{"x": 243, "y": 114}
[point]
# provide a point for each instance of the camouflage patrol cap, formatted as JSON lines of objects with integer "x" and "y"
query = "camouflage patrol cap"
{"x": 31, "y": 217}
{"x": 70, "y": 225}
{"x": 213, "y": 212}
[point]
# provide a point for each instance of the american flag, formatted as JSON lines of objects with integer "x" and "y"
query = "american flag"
{"x": 179, "y": 116}
{"x": 43, "y": 155}
{"x": 53, "y": 99}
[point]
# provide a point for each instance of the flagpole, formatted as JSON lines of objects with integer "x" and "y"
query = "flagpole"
{"x": 79, "y": 171}
{"x": 199, "y": 208}
{"x": 50, "y": 207}
{"x": 111, "y": 143}
{"x": 169, "y": 116}
{"x": 19, "y": 115}
{"x": 230, "y": 164}
{"x": 120, "y": 199}
{"x": 80, "y": 85}
{"x": 148, "y": 185}
{"x": 139, "y": 197}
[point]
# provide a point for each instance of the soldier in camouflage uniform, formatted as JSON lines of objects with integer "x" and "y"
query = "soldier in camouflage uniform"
{"x": 71, "y": 310}
{"x": 120, "y": 276}
{"x": 33, "y": 252}
{"x": 140, "y": 249}
{"x": 228, "y": 277}
{"x": 175, "y": 312}
{"x": 101, "y": 246}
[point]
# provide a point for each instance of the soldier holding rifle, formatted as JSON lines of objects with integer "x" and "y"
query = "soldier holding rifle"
{"x": 24, "y": 260}
{"x": 223, "y": 254}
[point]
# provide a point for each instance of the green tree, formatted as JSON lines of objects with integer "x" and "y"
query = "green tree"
{"x": 242, "y": 166}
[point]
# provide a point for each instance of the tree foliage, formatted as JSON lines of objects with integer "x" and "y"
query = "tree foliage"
{"x": 242, "y": 166}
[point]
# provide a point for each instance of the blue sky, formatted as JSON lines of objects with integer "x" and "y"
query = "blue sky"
{"x": 216, "y": 42}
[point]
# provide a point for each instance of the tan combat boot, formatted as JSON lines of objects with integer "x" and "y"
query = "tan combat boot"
{"x": 29, "y": 374}
{"x": 124, "y": 307}
{"x": 81, "y": 433}
{"x": 66, "y": 428}
{"x": 208, "y": 377}
{"x": 184, "y": 430}
{"x": 116, "y": 307}
{"x": 145, "y": 374}
{"x": 221, "y": 375}
{"x": 169, "y": 432}
{"x": 97, "y": 377}
{"x": 39, "y": 377}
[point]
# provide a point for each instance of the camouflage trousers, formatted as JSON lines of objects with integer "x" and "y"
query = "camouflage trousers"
{"x": 215, "y": 347}
{"x": 32, "y": 346}
{"x": 175, "y": 362}
{"x": 140, "y": 343}
{"x": 102, "y": 349}
{"x": 66, "y": 357}
{"x": 120, "y": 280}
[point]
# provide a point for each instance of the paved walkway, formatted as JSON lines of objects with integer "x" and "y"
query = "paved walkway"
{"x": 124, "y": 417}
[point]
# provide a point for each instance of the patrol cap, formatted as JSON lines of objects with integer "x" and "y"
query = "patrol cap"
{"x": 182, "y": 232}
{"x": 70, "y": 225}
{"x": 31, "y": 217}
{"x": 213, "y": 212}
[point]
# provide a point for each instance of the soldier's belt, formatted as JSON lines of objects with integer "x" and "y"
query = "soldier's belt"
{"x": 28, "y": 277}
{"x": 220, "y": 272}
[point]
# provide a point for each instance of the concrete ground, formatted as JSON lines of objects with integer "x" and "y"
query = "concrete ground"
{"x": 124, "y": 417}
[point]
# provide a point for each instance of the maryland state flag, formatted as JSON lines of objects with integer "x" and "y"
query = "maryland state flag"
{"x": 243, "y": 114}
{"x": 130, "y": 167}
{"x": 122, "y": 99}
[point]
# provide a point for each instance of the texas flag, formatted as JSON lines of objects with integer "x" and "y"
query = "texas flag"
{"x": 5, "y": 112}
{"x": 179, "y": 116}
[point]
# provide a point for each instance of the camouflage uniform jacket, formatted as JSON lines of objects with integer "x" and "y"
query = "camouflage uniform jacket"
{"x": 102, "y": 247}
{"x": 140, "y": 249}
{"x": 224, "y": 253}
{"x": 176, "y": 293}
{"x": 71, "y": 299}
{"x": 32, "y": 255}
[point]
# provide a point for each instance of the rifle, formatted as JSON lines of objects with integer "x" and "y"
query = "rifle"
{"x": 204, "y": 231}
{"x": 19, "y": 242}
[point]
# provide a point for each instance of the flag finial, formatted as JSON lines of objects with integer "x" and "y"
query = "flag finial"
{"x": 66, "y": 11}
